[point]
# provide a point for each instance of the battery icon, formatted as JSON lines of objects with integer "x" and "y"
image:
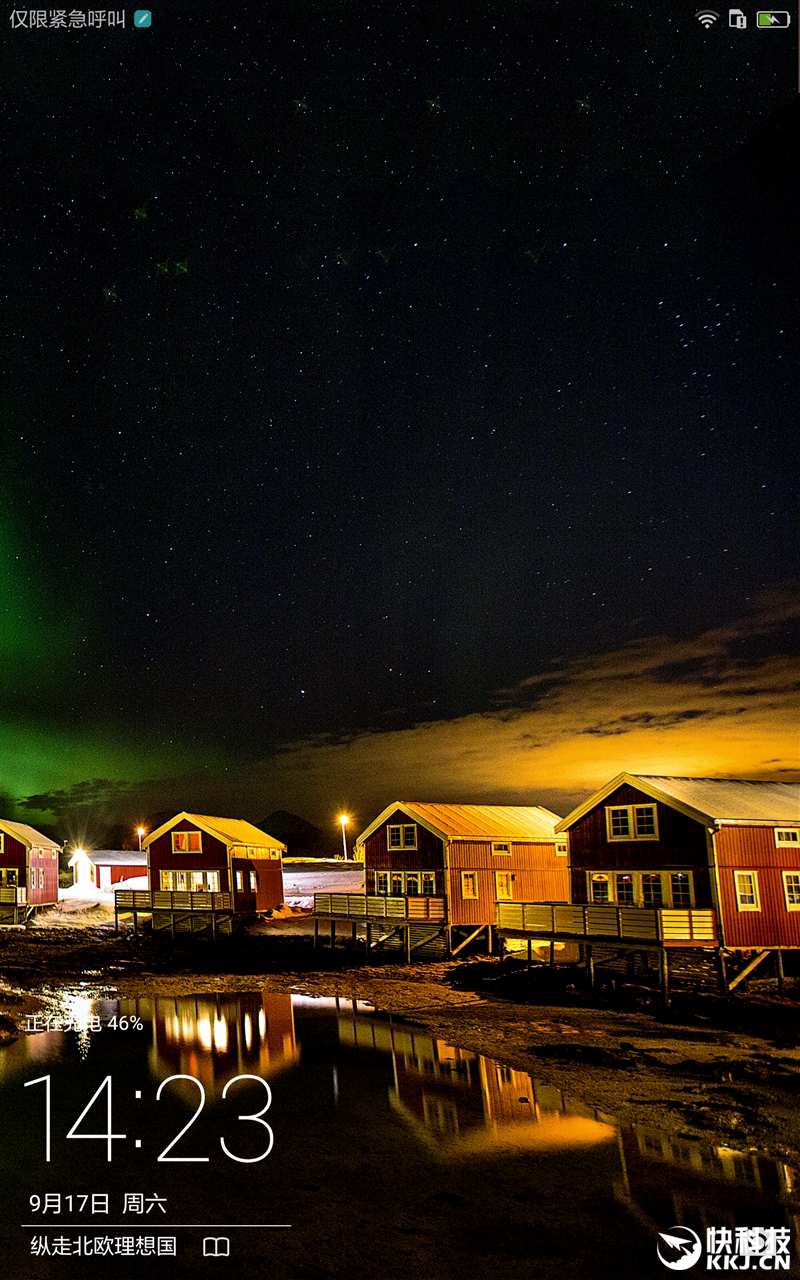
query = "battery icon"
{"x": 773, "y": 18}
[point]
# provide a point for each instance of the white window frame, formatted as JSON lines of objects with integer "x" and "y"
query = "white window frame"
{"x": 793, "y": 834}
{"x": 610, "y": 875}
{"x": 791, "y": 906}
{"x": 403, "y": 828}
{"x": 501, "y": 848}
{"x": 746, "y": 906}
{"x": 630, "y": 809}
{"x": 562, "y": 849}
{"x": 187, "y": 850}
{"x": 382, "y": 876}
{"x": 2, "y": 838}
{"x": 508, "y": 879}
{"x": 473, "y": 876}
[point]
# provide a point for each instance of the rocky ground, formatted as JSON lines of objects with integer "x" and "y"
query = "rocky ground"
{"x": 726, "y": 1071}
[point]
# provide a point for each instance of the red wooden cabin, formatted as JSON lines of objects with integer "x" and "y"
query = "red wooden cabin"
{"x": 28, "y": 869}
{"x": 664, "y": 842}
{"x": 465, "y": 856}
{"x": 105, "y": 868}
{"x": 193, "y": 853}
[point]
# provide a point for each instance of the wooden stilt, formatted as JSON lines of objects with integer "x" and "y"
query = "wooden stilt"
{"x": 488, "y": 939}
{"x": 722, "y": 972}
{"x": 779, "y": 968}
{"x": 316, "y": 931}
{"x": 663, "y": 975}
{"x": 408, "y": 944}
{"x": 449, "y": 940}
{"x": 355, "y": 934}
{"x": 369, "y": 937}
{"x": 552, "y": 955}
{"x": 589, "y": 966}
{"x": 530, "y": 955}
{"x": 333, "y": 935}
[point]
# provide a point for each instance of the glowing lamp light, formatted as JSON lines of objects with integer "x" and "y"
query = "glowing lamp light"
{"x": 140, "y": 831}
{"x": 343, "y": 818}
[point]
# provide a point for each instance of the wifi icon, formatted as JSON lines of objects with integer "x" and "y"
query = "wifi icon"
{"x": 706, "y": 17}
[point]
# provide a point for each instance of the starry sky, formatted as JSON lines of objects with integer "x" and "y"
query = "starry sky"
{"x": 396, "y": 398}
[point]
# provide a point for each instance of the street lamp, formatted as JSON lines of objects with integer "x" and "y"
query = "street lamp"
{"x": 343, "y": 818}
{"x": 140, "y": 831}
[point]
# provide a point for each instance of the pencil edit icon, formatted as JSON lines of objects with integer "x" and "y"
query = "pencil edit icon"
{"x": 142, "y": 18}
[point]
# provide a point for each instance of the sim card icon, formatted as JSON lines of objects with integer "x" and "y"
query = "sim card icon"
{"x": 737, "y": 19}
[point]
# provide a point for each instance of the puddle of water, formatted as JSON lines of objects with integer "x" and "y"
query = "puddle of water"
{"x": 393, "y": 1153}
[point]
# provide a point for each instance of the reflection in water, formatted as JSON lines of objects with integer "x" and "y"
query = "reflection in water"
{"x": 458, "y": 1105}
{"x": 217, "y": 1037}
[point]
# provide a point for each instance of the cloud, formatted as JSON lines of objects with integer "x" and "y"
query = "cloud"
{"x": 722, "y": 703}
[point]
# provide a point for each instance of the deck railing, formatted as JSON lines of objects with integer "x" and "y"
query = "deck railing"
{"x": 166, "y": 900}
{"x": 15, "y": 894}
{"x": 665, "y": 925}
{"x": 368, "y": 906}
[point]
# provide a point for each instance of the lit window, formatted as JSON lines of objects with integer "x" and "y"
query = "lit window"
{"x": 412, "y": 886}
{"x": 2, "y": 838}
{"x": 212, "y": 881}
{"x": 783, "y": 836}
{"x": 186, "y": 842}
{"x": 600, "y": 889}
{"x": 239, "y": 880}
{"x": 561, "y": 851}
{"x": 746, "y": 883}
{"x": 469, "y": 884}
{"x": 791, "y": 889}
{"x": 428, "y": 884}
{"x": 503, "y": 883}
{"x": 409, "y": 837}
{"x": 253, "y": 881}
{"x": 383, "y": 882}
{"x": 681, "y": 889}
{"x": 502, "y": 848}
{"x": 632, "y": 822}
{"x": 625, "y": 896}
{"x": 652, "y": 891}
{"x": 397, "y": 884}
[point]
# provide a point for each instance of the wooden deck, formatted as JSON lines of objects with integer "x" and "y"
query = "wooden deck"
{"x": 362, "y": 907}
{"x": 630, "y": 926}
{"x": 14, "y": 906}
{"x": 178, "y": 912}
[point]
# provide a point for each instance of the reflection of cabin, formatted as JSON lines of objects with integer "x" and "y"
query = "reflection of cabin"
{"x": 207, "y": 872}
{"x": 215, "y": 1036}
{"x": 683, "y": 862}
{"x": 448, "y": 865}
{"x": 28, "y": 871}
{"x": 103, "y": 868}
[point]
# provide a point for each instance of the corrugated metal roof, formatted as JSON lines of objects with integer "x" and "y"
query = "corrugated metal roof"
{"x": 476, "y": 821}
{"x": 28, "y": 835}
{"x": 114, "y": 857}
{"x": 237, "y": 831}
{"x": 733, "y": 799}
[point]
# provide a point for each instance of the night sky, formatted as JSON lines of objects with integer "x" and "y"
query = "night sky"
{"x": 376, "y": 379}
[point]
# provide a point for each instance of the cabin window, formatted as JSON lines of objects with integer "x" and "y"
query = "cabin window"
{"x": 8, "y": 876}
{"x": 746, "y": 883}
{"x": 239, "y": 879}
{"x": 187, "y": 842}
{"x": 2, "y": 838}
{"x": 428, "y": 884}
{"x": 212, "y": 881}
{"x": 783, "y": 836}
{"x": 561, "y": 850}
{"x": 625, "y": 896}
{"x": 502, "y": 881}
{"x": 253, "y": 881}
{"x": 791, "y": 889}
{"x": 397, "y": 884}
{"x": 501, "y": 848}
{"x": 652, "y": 891}
{"x": 600, "y": 889}
{"x": 681, "y": 889}
{"x": 469, "y": 884}
{"x": 189, "y": 881}
{"x": 382, "y": 882}
{"x": 631, "y": 822}
{"x": 412, "y": 886}
{"x": 402, "y": 837}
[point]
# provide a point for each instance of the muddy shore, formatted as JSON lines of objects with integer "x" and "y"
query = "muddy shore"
{"x": 722, "y": 1071}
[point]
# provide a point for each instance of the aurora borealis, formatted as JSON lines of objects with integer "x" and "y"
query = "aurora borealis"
{"x": 391, "y": 398}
